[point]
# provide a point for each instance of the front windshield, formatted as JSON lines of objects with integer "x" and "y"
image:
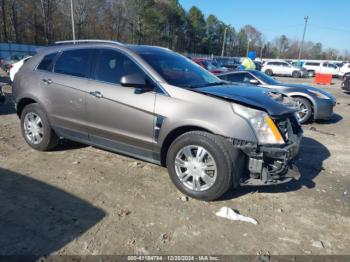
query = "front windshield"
{"x": 265, "y": 78}
{"x": 178, "y": 70}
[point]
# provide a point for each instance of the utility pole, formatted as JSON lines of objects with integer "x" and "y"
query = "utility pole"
{"x": 224, "y": 43}
{"x": 72, "y": 16}
{"x": 306, "y": 18}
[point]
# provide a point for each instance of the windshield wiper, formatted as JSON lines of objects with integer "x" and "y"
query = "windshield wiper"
{"x": 217, "y": 83}
{"x": 205, "y": 85}
{"x": 210, "y": 84}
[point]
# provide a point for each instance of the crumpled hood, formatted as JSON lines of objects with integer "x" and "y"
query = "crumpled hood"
{"x": 256, "y": 97}
{"x": 304, "y": 88}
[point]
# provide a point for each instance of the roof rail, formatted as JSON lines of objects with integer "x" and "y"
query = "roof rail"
{"x": 86, "y": 41}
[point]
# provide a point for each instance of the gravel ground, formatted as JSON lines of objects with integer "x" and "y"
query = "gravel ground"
{"x": 82, "y": 200}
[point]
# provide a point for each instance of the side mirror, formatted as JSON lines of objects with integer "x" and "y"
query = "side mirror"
{"x": 138, "y": 81}
{"x": 253, "y": 81}
{"x": 133, "y": 80}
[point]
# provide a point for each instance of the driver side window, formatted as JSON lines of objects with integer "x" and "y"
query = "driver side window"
{"x": 112, "y": 65}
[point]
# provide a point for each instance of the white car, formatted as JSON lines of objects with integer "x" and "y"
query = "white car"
{"x": 345, "y": 69}
{"x": 283, "y": 69}
{"x": 16, "y": 66}
{"x": 321, "y": 67}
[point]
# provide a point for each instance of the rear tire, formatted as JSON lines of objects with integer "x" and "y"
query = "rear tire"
{"x": 269, "y": 72}
{"x": 185, "y": 165}
{"x": 36, "y": 128}
{"x": 296, "y": 74}
{"x": 305, "y": 110}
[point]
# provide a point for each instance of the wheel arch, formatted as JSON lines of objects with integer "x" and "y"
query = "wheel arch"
{"x": 308, "y": 98}
{"x": 171, "y": 136}
{"x": 22, "y": 103}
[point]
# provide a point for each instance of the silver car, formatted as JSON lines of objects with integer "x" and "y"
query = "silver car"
{"x": 154, "y": 104}
{"x": 312, "y": 102}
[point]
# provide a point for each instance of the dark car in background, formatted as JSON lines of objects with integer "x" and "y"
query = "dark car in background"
{"x": 345, "y": 85}
{"x": 232, "y": 63}
{"x": 312, "y": 103}
{"x": 258, "y": 65}
{"x": 209, "y": 65}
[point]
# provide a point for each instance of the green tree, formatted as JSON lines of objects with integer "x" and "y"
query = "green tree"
{"x": 196, "y": 29}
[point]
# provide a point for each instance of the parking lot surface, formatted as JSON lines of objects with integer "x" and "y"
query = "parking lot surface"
{"x": 82, "y": 200}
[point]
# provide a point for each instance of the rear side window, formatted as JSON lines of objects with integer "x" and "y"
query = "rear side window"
{"x": 74, "y": 62}
{"x": 312, "y": 64}
{"x": 47, "y": 63}
{"x": 112, "y": 66}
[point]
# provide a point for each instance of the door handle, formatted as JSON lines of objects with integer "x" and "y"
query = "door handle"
{"x": 96, "y": 94}
{"x": 47, "y": 81}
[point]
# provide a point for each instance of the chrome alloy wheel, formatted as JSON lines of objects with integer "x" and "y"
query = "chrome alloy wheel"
{"x": 196, "y": 168}
{"x": 33, "y": 128}
{"x": 302, "y": 111}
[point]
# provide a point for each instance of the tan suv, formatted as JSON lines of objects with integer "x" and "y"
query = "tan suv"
{"x": 154, "y": 104}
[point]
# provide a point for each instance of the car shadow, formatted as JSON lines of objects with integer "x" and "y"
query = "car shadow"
{"x": 333, "y": 120}
{"x": 310, "y": 164}
{"x": 65, "y": 144}
{"x": 38, "y": 219}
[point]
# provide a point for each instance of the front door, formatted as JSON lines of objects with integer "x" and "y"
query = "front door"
{"x": 120, "y": 118}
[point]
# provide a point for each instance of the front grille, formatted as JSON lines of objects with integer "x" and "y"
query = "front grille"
{"x": 288, "y": 126}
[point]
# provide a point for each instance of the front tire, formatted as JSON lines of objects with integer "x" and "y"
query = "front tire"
{"x": 36, "y": 128}
{"x": 304, "y": 113}
{"x": 203, "y": 166}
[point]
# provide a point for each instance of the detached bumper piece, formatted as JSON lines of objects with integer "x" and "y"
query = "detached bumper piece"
{"x": 274, "y": 164}
{"x": 269, "y": 165}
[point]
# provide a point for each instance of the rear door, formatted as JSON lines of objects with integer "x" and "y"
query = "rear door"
{"x": 65, "y": 89}
{"x": 120, "y": 118}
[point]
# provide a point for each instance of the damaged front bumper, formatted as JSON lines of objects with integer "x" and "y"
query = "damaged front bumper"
{"x": 271, "y": 164}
